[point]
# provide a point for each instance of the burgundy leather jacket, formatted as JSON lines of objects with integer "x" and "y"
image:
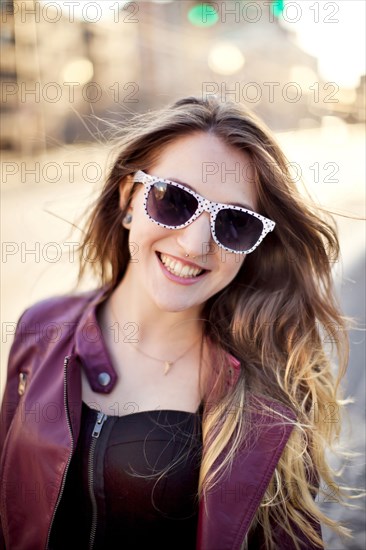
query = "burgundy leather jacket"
{"x": 40, "y": 423}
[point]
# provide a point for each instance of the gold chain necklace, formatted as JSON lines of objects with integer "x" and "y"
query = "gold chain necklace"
{"x": 167, "y": 364}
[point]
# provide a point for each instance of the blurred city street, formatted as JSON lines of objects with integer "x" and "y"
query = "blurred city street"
{"x": 353, "y": 301}
{"x": 39, "y": 260}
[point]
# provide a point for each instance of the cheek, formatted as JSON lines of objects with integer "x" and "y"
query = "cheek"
{"x": 234, "y": 262}
{"x": 231, "y": 266}
{"x": 145, "y": 232}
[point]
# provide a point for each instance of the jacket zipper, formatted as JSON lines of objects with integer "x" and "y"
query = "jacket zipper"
{"x": 66, "y": 361}
{"x": 101, "y": 418}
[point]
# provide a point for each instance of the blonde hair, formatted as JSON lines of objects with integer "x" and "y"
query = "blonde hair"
{"x": 274, "y": 317}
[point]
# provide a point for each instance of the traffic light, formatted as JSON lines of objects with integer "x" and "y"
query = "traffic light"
{"x": 203, "y": 14}
{"x": 277, "y": 7}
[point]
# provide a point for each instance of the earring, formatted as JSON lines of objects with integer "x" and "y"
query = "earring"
{"x": 127, "y": 219}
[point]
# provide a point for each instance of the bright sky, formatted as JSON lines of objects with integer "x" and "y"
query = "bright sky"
{"x": 334, "y": 32}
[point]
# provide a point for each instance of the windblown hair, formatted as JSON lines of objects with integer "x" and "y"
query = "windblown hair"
{"x": 275, "y": 317}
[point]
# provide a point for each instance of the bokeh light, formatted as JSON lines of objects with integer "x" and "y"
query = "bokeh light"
{"x": 80, "y": 70}
{"x": 203, "y": 15}
{"x": 225, "y": 58}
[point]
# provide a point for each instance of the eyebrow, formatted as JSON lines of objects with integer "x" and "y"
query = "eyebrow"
{"x": 241, "y": 205}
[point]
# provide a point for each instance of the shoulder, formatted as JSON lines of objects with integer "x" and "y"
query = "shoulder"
{"x": 270, "y": 408}
{"x": 51, "y": 320}
{"x": 65, "y": 306}
{"x": 269, "y": 417}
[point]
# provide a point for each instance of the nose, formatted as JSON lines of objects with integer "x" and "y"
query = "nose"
{"x": 196, "y": 239}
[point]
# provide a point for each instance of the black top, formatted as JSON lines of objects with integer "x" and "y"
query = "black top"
{"x": 106, "y": 504}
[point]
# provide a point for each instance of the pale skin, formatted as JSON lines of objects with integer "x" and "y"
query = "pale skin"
{"x": 165, "y": 312}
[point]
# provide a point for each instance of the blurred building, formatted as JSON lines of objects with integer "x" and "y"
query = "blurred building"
{"x": 245, "y": 57}
{"x": 54, "y": 70}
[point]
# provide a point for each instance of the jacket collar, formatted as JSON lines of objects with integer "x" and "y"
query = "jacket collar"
{"x": 90, "y": 348}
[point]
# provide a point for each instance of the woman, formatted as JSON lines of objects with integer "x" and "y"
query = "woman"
{"x": 183, "y": 403}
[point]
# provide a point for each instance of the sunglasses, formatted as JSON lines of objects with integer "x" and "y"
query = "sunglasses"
{"x": 174, "y": 206}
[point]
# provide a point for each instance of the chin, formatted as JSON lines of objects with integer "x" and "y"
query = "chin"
{"x": 174, "y": 307}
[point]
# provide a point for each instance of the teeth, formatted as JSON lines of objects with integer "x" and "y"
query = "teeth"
{"x": 177, "y": 268}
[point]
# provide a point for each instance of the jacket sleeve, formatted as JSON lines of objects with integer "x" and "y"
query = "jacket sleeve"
{"x": 11, "y": 396}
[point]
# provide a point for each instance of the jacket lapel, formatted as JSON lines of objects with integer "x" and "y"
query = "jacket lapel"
{"x": 226, "y": 514}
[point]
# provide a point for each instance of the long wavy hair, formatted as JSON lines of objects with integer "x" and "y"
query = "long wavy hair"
{"x": 279, "y": 316}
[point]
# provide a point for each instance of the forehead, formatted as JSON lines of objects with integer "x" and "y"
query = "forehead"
{"x": 216, "y": 170}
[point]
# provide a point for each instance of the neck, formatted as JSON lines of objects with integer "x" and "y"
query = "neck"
{"x": 153, "y": 328}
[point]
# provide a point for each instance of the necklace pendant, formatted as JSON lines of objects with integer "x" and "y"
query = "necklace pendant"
{"x": 167, "y": 364}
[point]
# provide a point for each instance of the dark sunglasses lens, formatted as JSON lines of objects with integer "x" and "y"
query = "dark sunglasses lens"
{"x": 237, "y": 230}
{"x": 170, "y": 205}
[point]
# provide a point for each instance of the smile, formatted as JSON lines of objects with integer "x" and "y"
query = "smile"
{"x": 179, "y": 268}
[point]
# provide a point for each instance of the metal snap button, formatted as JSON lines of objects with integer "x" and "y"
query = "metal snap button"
{"x": 104, "y": 378}
{"x": 22, "y": 383}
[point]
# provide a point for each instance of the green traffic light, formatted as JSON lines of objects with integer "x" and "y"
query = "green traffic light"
{"x": 277, "y": 7}
{"x": 203, "y": 15}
